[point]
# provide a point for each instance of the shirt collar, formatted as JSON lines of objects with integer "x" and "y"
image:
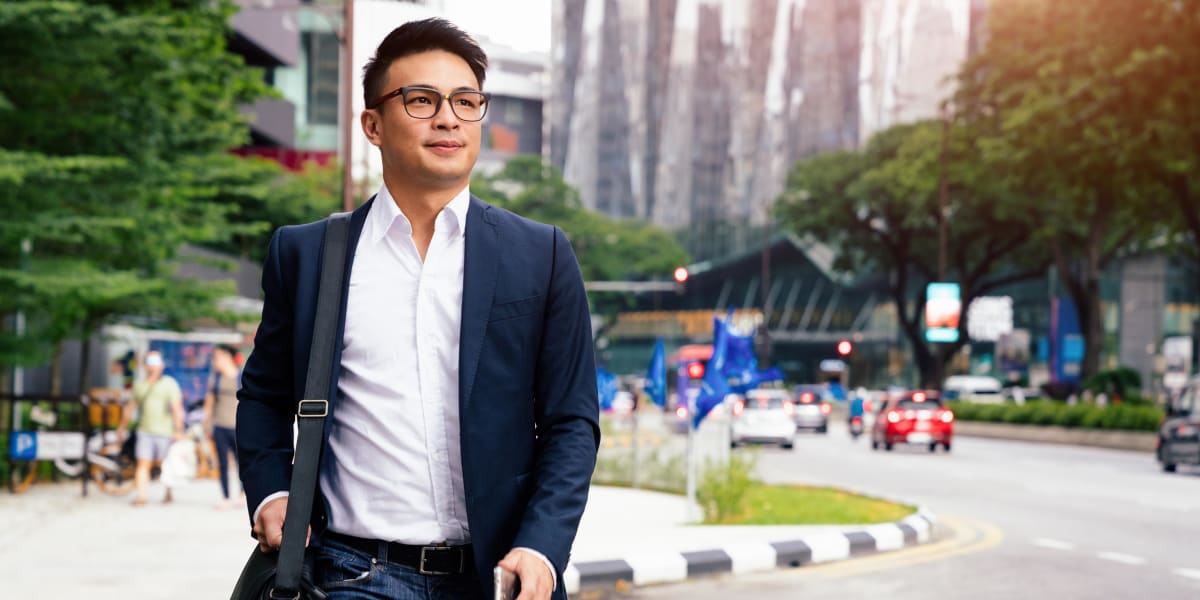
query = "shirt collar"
{"x": 385, "y": 213}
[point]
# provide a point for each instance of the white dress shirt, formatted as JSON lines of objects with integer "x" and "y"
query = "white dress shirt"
{"x": 394, "y": 470}
{"x": 394, "y": 465}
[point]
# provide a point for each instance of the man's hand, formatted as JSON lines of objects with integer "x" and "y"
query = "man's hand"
{"x": 268, "y": 527}
{"x": 537, "y": 582}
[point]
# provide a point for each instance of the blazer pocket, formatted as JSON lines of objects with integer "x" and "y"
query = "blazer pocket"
{"x": 515, "y": 308}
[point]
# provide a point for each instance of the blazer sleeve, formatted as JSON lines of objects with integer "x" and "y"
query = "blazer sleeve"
{"x": 265, "y": 401}
{"x": 566, "y": 413}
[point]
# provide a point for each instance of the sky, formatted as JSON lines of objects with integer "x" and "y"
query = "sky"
{"x": 520, "y": 24}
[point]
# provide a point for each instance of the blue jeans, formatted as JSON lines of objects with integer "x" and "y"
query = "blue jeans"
{"x": 225, "y": 439}
{"x": 345, "y": 573}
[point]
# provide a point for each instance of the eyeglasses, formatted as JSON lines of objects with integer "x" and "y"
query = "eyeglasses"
{"x": 423, "y": 103}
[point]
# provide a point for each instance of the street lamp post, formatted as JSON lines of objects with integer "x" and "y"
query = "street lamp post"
{"x": 347, "y": 101}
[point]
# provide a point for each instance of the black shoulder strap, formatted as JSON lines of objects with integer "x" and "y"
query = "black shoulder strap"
{"x": 311, "y": 412}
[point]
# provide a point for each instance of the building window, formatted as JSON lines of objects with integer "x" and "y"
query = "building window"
{"x": 322, "y": 49}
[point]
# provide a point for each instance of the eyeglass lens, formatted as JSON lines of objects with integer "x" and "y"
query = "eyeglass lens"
{"x": 423, "y": 104}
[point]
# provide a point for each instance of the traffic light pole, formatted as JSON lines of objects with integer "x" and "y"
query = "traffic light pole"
{"x": 691, "y": 459}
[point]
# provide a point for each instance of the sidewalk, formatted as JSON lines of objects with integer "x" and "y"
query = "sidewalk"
{"x": 56, "y": 544}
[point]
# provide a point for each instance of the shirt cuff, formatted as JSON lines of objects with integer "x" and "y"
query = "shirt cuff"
{"x": 549, "y": 565}
{"x": 254, "y": 519}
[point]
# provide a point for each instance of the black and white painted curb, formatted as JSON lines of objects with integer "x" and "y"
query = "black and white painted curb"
{"x": 643, "y": 568}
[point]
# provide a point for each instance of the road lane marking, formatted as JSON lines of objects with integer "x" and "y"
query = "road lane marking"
{"x": 967, "y": 536}
{"x": 1189, "y": 573}
{"x": 1127, "y": 559}
{"x": 1053, "y": 544}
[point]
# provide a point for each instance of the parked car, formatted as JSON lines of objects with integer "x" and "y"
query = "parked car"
{"x": 913, "y": 418}
{"x": 763, "y": 416}
{"x": 1179, "y": 435}
{"x": 811, "y": 410}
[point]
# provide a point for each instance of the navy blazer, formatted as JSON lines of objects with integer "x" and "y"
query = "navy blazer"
{"x": 527, "y": 381}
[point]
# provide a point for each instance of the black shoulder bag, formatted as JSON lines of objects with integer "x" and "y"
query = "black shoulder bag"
{"x": 278, "y": 575}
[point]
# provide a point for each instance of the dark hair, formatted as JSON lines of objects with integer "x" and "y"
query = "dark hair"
{"x": 227, "y": 348}
{"x": 415, "y": 37}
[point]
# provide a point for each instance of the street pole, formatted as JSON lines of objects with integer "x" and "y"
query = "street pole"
{"x": 18, "y": 373}
{"x": 347, "y": 101}
{"x": 691, "y": 459}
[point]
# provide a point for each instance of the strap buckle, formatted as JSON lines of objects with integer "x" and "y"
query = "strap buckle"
{"x": 272, "y": 595}
{"x": 312, "y": 408}
{"x": 425, "y": 550}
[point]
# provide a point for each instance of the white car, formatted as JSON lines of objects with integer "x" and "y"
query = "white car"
{"x": 973, "y": 388}
{"x": 763, "y": 416}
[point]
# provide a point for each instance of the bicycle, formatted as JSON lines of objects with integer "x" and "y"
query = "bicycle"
{"x": 108, "y": 460}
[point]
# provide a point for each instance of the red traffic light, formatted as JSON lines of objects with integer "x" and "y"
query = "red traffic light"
{"x": 681, "y": 274}
{"x": 696, "y": 370}
{"x": 844, "y": 348}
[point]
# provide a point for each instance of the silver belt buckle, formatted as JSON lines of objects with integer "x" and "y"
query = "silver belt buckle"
{"x": 429, "y": 549}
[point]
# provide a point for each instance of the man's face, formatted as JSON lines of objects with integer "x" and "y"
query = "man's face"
{"x": 153, "y": 364}
{"x": 435, "y": 153}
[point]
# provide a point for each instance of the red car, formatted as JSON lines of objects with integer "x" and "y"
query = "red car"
{"x": 913, "y": 418}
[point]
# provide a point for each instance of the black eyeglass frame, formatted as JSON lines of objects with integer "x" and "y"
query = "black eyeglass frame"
{"x": 403, "y": 92}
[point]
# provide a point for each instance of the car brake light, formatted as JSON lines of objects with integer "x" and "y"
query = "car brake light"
{"x": 826, "y": 409}
{"x": 789, "y": 409}
{"x": 806, "y": 398}
{"x": 681, "y": 412}
{"x": 919, "y": 397}
{"x": 738, "y": 407}
{"x": 893, "y": 417}
{"x": 947, "y": 416}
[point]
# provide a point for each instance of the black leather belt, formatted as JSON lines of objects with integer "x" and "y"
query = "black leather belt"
{"x": 428, "y": 560}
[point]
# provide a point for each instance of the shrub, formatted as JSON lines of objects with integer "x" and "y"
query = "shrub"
{"x": 1128, "y": 417}
{"x": 1072, "y": 416}
{"x": 1120, "y": 381}
{"x": 722, "y": 489}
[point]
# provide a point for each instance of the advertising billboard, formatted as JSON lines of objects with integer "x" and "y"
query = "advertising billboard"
{"x": 943, "y": 309}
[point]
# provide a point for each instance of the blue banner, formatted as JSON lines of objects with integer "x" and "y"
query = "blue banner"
{"x": 656, "y": 375}
{"x": 606, "y": 386}
{"x": 741, "y": 366}
{"x": 714, "y": 387}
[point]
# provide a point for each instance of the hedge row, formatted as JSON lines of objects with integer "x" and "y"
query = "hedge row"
{"x": 1083, "y": 416}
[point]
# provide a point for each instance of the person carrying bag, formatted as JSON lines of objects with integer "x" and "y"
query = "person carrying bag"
{"x": 270, "y": 575}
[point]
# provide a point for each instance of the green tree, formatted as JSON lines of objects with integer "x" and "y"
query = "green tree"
{"x": 1090, "y": 108}
{"x": 273, "y": 198}
{"x": 879, "y": 208}
{"x": 114, "y": 129}
{"x": 607, "y": 249}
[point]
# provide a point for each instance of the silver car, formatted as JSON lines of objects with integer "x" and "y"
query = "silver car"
{"x": 763, "y": 416}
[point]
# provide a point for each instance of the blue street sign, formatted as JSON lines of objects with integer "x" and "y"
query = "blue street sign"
{"x": 23, "y": 445}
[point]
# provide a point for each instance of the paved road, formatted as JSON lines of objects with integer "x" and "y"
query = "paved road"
{"x": 1018, "y": 520}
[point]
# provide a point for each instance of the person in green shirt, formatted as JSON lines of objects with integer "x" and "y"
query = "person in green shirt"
{"x": 159, "y": 402}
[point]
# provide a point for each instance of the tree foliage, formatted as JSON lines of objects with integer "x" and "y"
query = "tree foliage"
{"x": 1091, "y": 110}
{"x": 114, "y": 129}
{"x": 607, "y": 249}
{"x": 879, "y": 208}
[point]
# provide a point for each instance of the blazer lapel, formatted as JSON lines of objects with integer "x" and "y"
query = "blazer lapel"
{"x": 482, "y": 254}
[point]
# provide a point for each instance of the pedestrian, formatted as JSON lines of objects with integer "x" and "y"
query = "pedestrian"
{"x": 220, "y": 413}
{"x": 462, "y": 425}
{"x": 158, "y": 402}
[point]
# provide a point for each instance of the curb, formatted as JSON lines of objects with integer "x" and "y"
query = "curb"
{"x": 1136, "y": 441}
{"x": 646, "y": 568}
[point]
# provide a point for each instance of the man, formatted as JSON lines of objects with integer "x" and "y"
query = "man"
{"x": 159, "y": 403}
{"x": 463, "y": 408}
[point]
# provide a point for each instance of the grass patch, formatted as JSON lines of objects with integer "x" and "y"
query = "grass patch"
{"x": 805, "y": 505}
